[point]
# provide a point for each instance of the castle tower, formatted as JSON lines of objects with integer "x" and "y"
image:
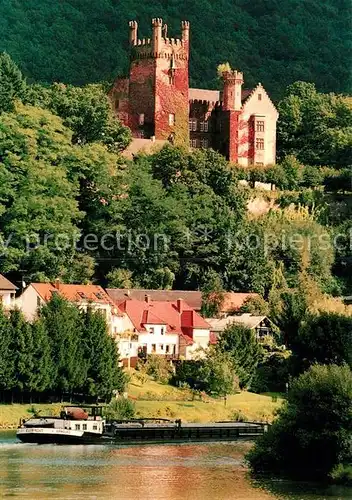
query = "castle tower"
{"x": 232, "y": 105}
{"x": 157, "y": 87}
{"x": 233, "y": 81}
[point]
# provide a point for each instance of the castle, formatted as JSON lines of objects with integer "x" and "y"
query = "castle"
{"x": 155, "y": 101}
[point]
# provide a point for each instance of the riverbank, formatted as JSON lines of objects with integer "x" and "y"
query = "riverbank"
{"x": 153, "y": 399}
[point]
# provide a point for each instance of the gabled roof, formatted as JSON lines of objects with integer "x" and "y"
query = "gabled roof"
{"x": 246, "y": 319}
{"x": 73, "y": 293}
{"x": 232, "y": 300}
{"x": 166, "y": 313}
{"x": 5, "y": 284}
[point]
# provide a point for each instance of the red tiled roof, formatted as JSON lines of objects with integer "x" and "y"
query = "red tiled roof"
{"x": 162, "y": 313}
{"x": 232, "y": 300}
{"x": 74, "y": 293}
{"x": 5, "y": 284}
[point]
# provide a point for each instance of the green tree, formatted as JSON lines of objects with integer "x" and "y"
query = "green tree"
{"x": 102, "y": 362}
{"x": 43, "y": 367}
{"x": 85, "y": 110}
{"x": 7, "y": 366}
{"x": 64, "y": 327}
{"x": 312, "y": 433}
{"x": 325, "y": 338}
{"x": 314, "y": 127}
{"x": 38, "y": 209}
{"x": 241, "y": 345}
{"x": 12, "y": 83}
{"x": 218, "y": 374}
{"x": 22, "y": 351}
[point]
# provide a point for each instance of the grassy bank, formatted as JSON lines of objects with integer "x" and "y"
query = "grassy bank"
{"x": 11, "y": 414}
{"x": 157, "y": 400}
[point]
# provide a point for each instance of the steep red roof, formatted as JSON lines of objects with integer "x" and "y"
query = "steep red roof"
{"x": 165, "y": 313}
{"x": 74, "y": 293}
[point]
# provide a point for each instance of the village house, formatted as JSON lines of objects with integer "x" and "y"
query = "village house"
{"x": 7, "y": 293}
{"x": 38, "y": 294}
{"x": 169, "y": 328}
{"x": 231, "y": 301}
{"x": 154, "y": 100}
{"x": 260, "y": 324}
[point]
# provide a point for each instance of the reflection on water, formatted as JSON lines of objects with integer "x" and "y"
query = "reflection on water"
{"x": 162, "y": 472}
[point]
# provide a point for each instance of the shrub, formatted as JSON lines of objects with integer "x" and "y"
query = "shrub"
{"x": 119, "y": 409}
{"x": 312, "y": 434}
{"x": 157, "y": 367}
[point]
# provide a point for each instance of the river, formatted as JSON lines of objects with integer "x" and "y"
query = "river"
{"x": 210, "y": 471}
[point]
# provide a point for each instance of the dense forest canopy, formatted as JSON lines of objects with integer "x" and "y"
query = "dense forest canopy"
{"x": 276, "y": 42}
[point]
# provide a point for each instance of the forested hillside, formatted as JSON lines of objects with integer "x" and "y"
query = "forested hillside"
{"x": 273, "y": 41}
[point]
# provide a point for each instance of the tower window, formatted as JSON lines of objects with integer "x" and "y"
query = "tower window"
{"x": 204, "y": 126}
{"x": 259, "y": 97}
{"x": 171, "y": 119}
{"x": 260, "y": 126}
{"x": 193, "y": 124}
{"x": 141, "y": 119}
{"x": 259, "y": 143}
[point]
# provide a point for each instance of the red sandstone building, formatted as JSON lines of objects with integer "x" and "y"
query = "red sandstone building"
{"x": 155, "y": 101}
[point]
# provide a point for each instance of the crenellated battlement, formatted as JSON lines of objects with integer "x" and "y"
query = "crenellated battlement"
{"x": 232, "y": 76}
{"x": 157, "y": 22}
{"x": 159, "y": 41}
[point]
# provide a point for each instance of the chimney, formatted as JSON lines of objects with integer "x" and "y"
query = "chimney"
{"x": 180, "y": 305}
{"x": 148, "y": 299}
{"x": 57, "y": 284}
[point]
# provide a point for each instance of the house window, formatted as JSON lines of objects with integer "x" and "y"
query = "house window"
{"x": 162, "y": 330}
{"x": 193, "y": 143}
{"x": 259, "y": 163}
{"x": 192, "y": 124}
{"x": 77, "y": 427}
{"x": 95, "y": 427}
{"x": 161, "y": 346}
{"x": 204, "y": 143}
{"x": 259, "y": 143}
{"x": 171, "y": 79}
{"x": 38, "y": 301}
{"x": 141, "y": 119}
{"x": 172, "y": 119}
{"x": 151, "y": 329}
{"x": 84, "y": 427}
{"x": 167, "y": 349}
{"x": 259, "y": 97}
{"x": 153, "y": 347}
{"x": 260, "y": 126}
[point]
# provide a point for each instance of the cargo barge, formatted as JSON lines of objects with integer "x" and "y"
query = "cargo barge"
{"x": 86, "y": 425}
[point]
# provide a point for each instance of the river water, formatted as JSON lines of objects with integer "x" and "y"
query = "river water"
{"x": 210, "y": 471}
